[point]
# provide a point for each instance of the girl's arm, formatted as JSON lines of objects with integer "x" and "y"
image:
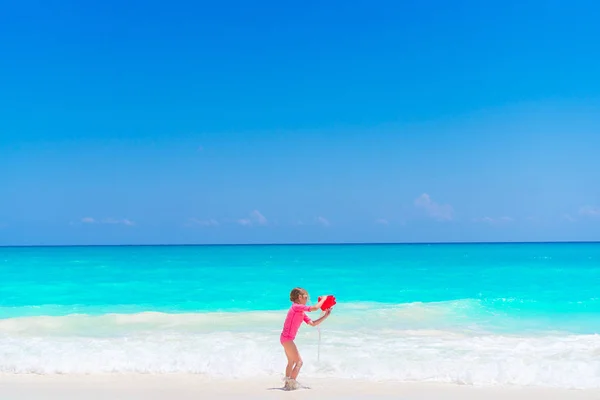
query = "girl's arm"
{"x": 319, "y": 304}
{"x": 323, "y": 318}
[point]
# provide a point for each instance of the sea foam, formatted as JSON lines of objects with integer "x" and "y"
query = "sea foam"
{"x": 386, "y": 343}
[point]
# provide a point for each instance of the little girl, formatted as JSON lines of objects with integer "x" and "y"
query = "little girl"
{"x": 292, "y": 323}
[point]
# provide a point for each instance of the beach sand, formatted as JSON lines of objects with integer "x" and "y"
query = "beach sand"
{"x": 183, "y": 387}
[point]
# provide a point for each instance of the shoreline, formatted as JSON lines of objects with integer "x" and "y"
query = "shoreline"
{"x": 187, "y": 386}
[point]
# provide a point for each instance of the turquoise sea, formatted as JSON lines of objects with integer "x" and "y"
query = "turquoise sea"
{"x": 481, "y": 314}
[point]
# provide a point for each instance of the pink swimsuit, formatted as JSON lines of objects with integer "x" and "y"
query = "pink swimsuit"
{"x": 294, "y": 319}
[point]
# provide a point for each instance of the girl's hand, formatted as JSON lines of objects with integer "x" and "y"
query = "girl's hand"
{"x": 328, "y": 312}
{"x": 319, "y": 304}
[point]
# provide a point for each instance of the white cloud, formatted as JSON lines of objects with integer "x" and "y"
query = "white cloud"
{"x": 258, "y": 217}
{"x": 115, "y": 221}
{"x": 255, "y": 217}
{"x": 111, "y": 221}
{"x": 244, "y": 222}
{"x": 315, "y": 221}
{"x": 382, "y": 221}
{"x": 440, "y": 212}
{"x": 589, "y": 211}
{"x": 495, "y": 221}
{"x": 584, "y": 212}
{"x": 323, "y": 221}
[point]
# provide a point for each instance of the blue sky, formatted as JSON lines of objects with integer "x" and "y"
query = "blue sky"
{"x": 189, "y": 122}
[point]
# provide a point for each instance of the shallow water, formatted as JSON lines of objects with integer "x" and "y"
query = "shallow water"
{"x": 523, "y": 314}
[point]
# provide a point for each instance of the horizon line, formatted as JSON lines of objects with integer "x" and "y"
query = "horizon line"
{"x": 302, "y": 244}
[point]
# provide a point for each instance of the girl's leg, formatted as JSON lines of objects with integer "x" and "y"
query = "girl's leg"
{"x": 294, "y": 359}
{"x": 296, "y": 369}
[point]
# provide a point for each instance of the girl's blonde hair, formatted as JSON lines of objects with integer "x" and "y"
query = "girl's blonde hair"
{"x": 296, "y": 293}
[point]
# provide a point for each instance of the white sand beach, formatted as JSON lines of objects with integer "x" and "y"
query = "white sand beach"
{"x": 183, "y": 387}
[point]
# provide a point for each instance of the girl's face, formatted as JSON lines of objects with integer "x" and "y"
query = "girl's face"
{"x": 303, "y": 299}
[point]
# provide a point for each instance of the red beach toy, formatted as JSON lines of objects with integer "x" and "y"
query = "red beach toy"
{"x": 330, "y": 302}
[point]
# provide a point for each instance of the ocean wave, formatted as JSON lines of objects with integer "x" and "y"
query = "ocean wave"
{"x": 370, "y": 342}
{"x": 472, "y": 315}
{"x": 347, "y": 316}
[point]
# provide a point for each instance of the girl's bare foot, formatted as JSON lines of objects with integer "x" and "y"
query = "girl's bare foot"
{"x": 290, "y": 384}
